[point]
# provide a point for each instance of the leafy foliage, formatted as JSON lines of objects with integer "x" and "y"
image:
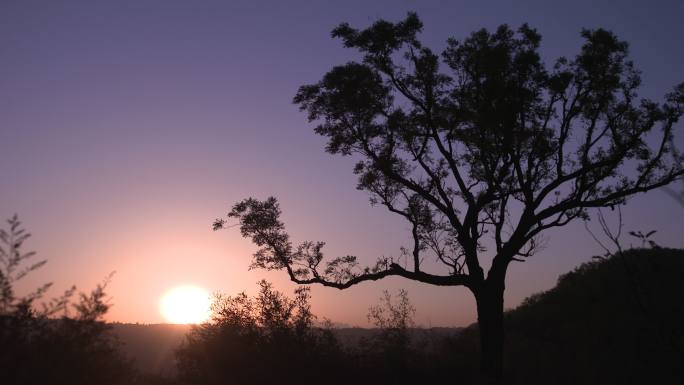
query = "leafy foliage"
{"x": 36, "y": 346}
{"x": 392, "y": 345}
{"x": 497, "y": 147}
{"x": 266, "y": 339}
{"x": 480, "y": 148}
{"x": 271, "y": 338}
{"x": 11, "y": 271}
{"x": 461, "y": 151}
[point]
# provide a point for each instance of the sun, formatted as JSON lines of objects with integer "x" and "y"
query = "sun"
{"x": 185, "y": 305}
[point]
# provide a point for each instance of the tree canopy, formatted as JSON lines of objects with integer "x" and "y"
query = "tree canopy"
{"x": 480, "y": 148}
{"x": 492, "y": 150}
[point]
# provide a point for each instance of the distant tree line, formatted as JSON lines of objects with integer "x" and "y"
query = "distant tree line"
{"x": 271, "y": 338}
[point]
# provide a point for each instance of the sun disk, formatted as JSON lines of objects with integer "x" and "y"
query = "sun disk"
{"x": 186, "y": 305}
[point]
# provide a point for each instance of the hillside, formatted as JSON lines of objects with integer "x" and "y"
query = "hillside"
{"x": 616, "y": 320}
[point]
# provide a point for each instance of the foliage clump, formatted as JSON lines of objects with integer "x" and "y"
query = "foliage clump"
{"x": 270, "y": 338}
{"x": 46, "y": 343}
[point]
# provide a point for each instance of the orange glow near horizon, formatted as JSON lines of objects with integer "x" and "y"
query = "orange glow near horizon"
{"x": 185, "y": 305}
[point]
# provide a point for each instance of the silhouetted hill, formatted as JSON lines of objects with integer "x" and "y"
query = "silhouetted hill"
{"x": 612, "y": 321}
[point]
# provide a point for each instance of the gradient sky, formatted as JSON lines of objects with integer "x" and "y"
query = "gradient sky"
{"x": 126, "y": 127}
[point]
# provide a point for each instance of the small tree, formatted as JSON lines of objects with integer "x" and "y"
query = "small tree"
{"x": 393, "y": 320}
{"x": 44, "y": 344}
{"x": 480, "y": 159}
{"x": 12, "y": 269}
{"x": 255, "y": 340}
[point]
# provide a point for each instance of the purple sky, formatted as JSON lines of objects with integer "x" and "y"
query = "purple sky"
{"x": 126, "y": 127}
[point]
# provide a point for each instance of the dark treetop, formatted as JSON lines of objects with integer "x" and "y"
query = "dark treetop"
{"x": 486, "y": 154}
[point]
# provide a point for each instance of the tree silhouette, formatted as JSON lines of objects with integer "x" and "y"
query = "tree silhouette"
{"x": 45, "y": 344}
{"x": 11, "y": 269}
{"x": 393, "y": 320}
{"x": 245, "y": 334}
{"x": 480, "y": 159}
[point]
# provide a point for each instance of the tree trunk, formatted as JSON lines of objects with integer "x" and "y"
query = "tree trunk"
{"x": 490, "y": 321}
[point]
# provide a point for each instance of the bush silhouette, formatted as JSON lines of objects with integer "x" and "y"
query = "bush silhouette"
{"x": 43, "y": 344}
{"x": 266, "y": 339}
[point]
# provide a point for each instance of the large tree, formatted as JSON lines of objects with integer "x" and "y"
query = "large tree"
{"x": 480, "y": 158}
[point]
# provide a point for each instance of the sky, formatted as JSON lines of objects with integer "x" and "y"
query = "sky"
{"x": 127, "y": 127}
